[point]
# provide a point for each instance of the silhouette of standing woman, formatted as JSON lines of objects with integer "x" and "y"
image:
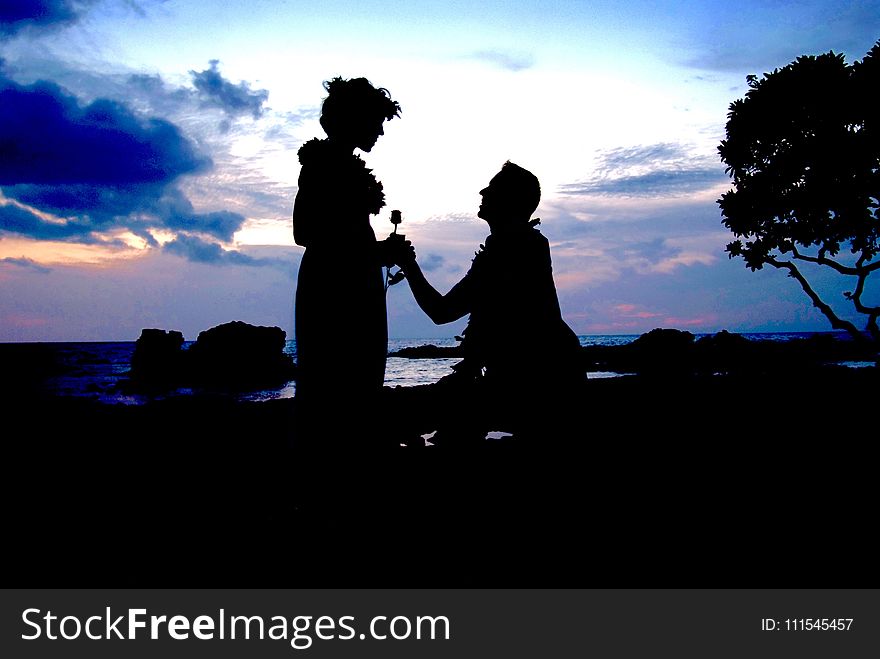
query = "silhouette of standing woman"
{"x": 341, "y": 326}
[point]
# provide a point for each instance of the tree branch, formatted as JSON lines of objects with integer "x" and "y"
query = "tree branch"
{"x": 860, "y": 264}
{"x": 842, "y": 269}
{"x": 871, "y": 312}
{"x": 836, "y": 322}
{"x": 822, "y": 260}
{"x": 860, "y": 270}
{"x": 857, "y": 296}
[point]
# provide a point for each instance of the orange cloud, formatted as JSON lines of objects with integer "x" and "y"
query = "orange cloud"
{"x": 702, "y": 321}
{"x": 24, "y": 321}
{"x": 60, "y": 253}
{"x": 632, "y": 311}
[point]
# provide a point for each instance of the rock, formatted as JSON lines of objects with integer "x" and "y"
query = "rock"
{"x": 726, "y": 353}
{"x": 241, "y": 355}
{"x": 661, "y": 341}
{"x": 233, "y": 355}
{"x": 429, "y": 351}
{"x": 158, "y": 357}
{"x": 724, "y": 341}
{"x": 666, "y": 352}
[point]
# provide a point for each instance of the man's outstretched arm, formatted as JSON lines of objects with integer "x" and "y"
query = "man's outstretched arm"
{"x": 440, "y": 308}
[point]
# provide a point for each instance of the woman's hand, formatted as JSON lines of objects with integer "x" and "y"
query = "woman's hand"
{"x": 397, "y": 250}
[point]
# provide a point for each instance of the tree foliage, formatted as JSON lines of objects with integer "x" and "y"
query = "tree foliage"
{"x": 803, "y": 150}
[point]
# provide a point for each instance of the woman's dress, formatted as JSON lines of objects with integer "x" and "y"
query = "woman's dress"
{"x": 341, "y": 325}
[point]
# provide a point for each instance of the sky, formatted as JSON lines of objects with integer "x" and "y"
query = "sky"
{"x": 148, "y": 152}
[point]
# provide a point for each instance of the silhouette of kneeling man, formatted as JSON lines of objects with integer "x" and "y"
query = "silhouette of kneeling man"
{"x": 521, "y": 360}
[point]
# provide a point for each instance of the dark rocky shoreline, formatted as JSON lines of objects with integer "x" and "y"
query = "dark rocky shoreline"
{"x": 741, "y": 480}
{"x": 235, "y": 354}
{"x": 679, "y": 352}
{"x": 237, "y": 357}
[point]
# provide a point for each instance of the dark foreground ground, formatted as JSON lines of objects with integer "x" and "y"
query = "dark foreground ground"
{"x": 731, "y": 481}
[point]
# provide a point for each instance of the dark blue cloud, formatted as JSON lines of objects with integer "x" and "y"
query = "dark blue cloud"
{"x": 93, "y": 204}
{"x": 177, "y": 214}
{"x": 18, "y": 15}
{"x": 235, "y": 100}
{"x": 95, "y": 208}
{"x": 201, "y": 251}
{"x": 46, "y": 137}
{"x": 28, "y": 264}
{"x": 649, "y": 171}
{"x": 100, "y": 166}
{"x": 21, "y": 221}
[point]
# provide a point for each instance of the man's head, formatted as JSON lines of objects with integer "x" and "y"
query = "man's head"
{"x": 512, "y": 196}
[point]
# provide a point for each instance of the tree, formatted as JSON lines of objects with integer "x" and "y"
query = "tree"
{"x": 803, "y": 150}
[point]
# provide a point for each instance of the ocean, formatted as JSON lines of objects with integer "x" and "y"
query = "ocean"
{"x": 97, "y": 371}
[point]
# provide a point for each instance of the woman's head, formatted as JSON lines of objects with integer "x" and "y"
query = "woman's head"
{"x": 354, "y": 111}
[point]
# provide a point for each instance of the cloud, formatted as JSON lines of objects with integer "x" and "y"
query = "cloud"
{"x": 91, "y": 209}
{"x": 235, "y": 100}
{"x": 177, "y": 214}
{"x": 636, "y": 156}
{"x": 26, "y": 263}
{"x": 47, "y": 138}
{"x": 431, "y": 262}
{"x": 99, "y": 166}
{"x": 700, "y": 321}
{"x": 689, "y": 251}
{"x": 653, "y": 251}
{"x": 508, "y": 61}
{"x": 234, "y": 182}
{"x": 14, "y": 219}
{"x": 156, "y": 94}
{"x": 670, "y": 182}
{"x": 598, "y": 240}
{"x": 26, "y": 15}
{"x": 634, "y": 311}
{"x": 649, "y": 171}
{"x": 201, "y": 251}
{"x": 197, "y": 250}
